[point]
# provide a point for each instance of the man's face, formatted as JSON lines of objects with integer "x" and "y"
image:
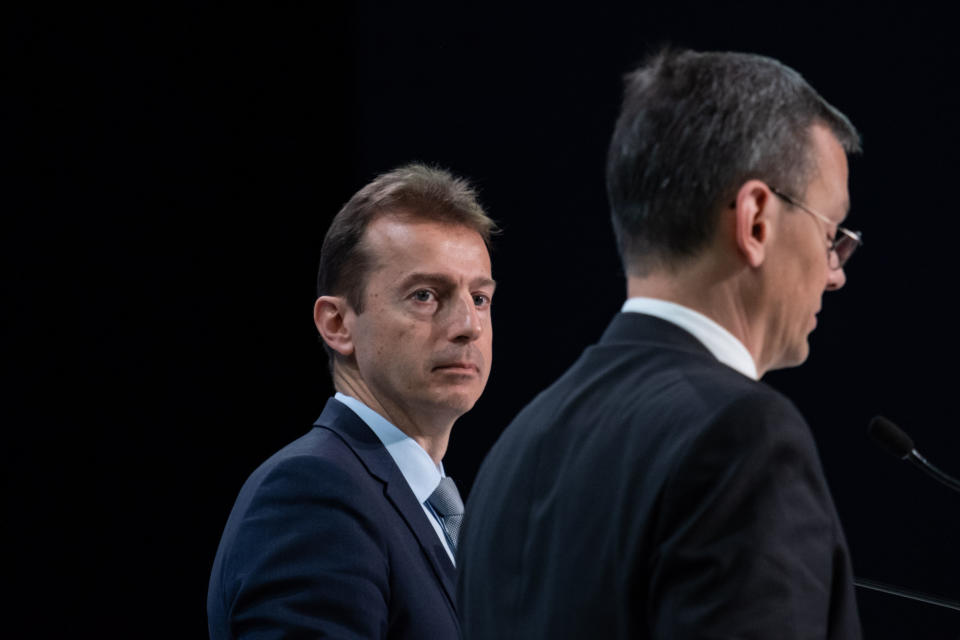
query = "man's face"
{"x": 423, "y": 342}
{"x": 800, "y": 261}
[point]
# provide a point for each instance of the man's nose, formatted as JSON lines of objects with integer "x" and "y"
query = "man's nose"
{"x": 836, "y": 279}
{"x": 465, "y": 322}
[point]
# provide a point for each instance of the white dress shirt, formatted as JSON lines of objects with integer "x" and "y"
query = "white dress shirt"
{"x": 415, "y": 463}
{"x": 724, "y": 346}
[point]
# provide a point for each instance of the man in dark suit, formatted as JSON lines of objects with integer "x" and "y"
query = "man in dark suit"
{"x": 658, "y": 489}
{"x": 350, "y": 531}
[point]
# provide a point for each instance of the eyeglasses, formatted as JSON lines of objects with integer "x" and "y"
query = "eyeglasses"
{"x": 841, "y": 246}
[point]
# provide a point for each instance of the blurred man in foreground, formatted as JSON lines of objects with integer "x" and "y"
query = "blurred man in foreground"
{"x": 657, "y": 489}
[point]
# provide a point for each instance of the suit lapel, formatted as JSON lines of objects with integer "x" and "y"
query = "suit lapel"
{"x": 365, "y": 444}
{"x": 402, "y": 498}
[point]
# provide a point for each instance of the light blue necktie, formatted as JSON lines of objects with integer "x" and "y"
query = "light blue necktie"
{"x": 446, "y": 501}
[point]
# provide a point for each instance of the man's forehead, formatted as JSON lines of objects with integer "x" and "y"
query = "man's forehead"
{"x": 408, "y": 227}
{"x": 417, "y": 245}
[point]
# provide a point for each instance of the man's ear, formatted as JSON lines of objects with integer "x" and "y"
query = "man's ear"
{"x": 754, "y": 229}
{"x": 330, "y": 314}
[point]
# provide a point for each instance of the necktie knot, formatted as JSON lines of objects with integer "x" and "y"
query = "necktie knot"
{"x": 446, "y": 501}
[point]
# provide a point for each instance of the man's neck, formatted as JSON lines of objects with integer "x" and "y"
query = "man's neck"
{"x": 432, "y": 433}
{"x": 720, "y": 294}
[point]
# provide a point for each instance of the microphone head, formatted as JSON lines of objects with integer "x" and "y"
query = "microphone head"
{"x": 890, "y": 437}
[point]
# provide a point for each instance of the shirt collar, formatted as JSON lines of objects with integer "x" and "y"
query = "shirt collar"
{"x": 724, "y": 346}
{"x": 415, "y": 463}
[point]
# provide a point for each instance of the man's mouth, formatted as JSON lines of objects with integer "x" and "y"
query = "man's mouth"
{"x": 458, "y": 367}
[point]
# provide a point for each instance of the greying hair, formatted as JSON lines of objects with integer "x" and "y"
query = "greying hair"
{"x": 692, "y": 129}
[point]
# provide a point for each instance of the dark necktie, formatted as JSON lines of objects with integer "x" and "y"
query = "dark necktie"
{"x": 446, "y": 501}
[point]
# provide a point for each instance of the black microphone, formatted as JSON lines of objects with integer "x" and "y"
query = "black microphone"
{"x": 893, "y": 439}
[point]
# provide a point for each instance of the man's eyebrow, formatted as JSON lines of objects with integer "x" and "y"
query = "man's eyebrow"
{"x": 484, "y": 282}
{"x": 442, "y": 279}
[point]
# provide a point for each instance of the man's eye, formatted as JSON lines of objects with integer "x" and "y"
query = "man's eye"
{"x": 423, "y": 295}
{"x": 481, "y": 300}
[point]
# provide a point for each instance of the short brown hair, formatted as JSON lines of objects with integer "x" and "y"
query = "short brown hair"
{"x": 414, "y": 190}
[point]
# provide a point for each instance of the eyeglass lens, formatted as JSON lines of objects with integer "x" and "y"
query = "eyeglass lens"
{"x": 844, "y": 249}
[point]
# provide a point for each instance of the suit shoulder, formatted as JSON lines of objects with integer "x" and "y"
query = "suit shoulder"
{"x": 313, "y": 488}
{"x": 318, "y": 460}
{"x": 635, "y": 399}
{"x": 702, "y": 391}
{"x": 716, "y": 403}
{"x": 761, "y": 417}
{"x": 312, "y": 516}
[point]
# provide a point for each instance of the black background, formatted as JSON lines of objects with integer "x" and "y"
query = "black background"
{"x": 170, "y": 174}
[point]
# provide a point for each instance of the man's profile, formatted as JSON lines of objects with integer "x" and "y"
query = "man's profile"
{"x": 658, "y": 489}
{"x": 350, "y": 531}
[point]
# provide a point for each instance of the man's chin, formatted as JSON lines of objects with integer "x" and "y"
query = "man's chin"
{"x": 794, "y": 358}
{"x": 456, "y": 402}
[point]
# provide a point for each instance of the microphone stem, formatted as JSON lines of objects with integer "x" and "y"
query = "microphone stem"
{"x": 904, "y": 593}
{"x": 924, "y": 465}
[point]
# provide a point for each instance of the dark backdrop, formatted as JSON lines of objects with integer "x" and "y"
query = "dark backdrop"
{"x": 170, "y": 174}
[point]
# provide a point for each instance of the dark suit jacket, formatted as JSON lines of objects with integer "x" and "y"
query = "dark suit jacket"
{"x": 326, "y": 539}
{"x": 653, "y": 492}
